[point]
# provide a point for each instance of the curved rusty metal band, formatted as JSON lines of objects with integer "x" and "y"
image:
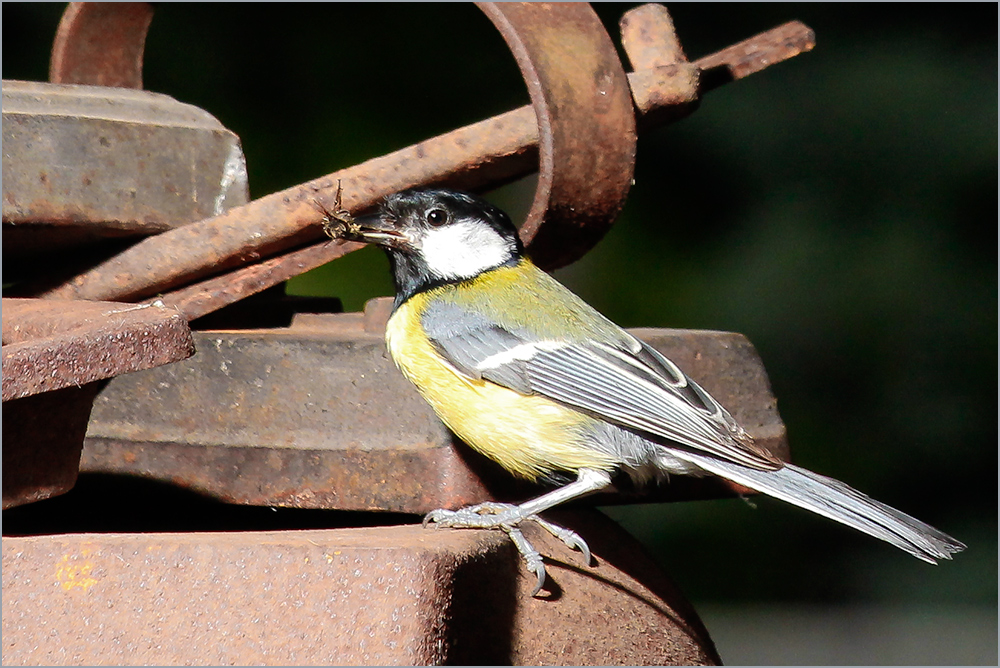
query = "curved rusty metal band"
{"x": 101, "y": 44}
{"x": 586, "y": 124}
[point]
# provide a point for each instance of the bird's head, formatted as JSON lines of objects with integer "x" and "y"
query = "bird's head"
{"x": 437, "y": 236}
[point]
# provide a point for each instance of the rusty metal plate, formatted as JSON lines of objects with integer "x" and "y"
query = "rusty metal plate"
{"x": 317, "y": 416}
{"x": 342, "y": 597}
{"x": 49, "y": 345}
{"x": 83, "y": 163}
{"x": 373, "y": 596}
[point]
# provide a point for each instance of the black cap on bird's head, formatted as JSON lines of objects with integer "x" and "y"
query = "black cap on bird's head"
{"x": 438, "y": 236}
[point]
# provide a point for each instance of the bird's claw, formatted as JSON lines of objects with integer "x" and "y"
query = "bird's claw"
{"x": 532, "y": 559}
{"x": 571, "y": 538}
{"x": 507, "y": 517}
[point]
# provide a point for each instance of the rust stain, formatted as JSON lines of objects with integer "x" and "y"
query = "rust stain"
{"x": 71, "y": 575}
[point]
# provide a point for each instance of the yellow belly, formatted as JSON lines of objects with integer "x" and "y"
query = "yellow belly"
{"x": 527, "y": 435}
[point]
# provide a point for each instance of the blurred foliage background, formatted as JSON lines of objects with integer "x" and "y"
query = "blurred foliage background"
{"x": 838, "y": 209}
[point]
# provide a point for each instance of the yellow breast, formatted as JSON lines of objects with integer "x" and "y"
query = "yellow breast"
{"x": 527, "y": 435}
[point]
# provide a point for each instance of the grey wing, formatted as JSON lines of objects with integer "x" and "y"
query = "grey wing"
{"x": 634, "y": 387}
{"x": 466, "y": 339}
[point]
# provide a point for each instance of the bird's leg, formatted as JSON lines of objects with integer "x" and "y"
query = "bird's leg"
{"x": 507, "y": 517}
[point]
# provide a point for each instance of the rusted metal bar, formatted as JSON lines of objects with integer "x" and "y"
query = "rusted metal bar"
{"x": 213, "y": 293}
{"x": 649, "y": 38}
{"x": 399, "y": 595}
{"x": 653, "y": 48}
{"x": 101, "y": 44}
{"x": 754, "y": 54}
{"x": 490, "y": 152}
{"x": 586, "y": 124}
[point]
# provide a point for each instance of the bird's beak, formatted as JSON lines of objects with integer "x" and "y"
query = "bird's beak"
{"x": 375, "y": 228}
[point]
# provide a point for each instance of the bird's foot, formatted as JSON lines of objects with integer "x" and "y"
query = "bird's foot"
{"x": 507, "y": 517}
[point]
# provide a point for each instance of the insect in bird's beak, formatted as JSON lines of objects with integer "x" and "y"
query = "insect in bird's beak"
{"x": 341, "y": 225}
{"x": 370, "y": 229}
{"x": 337, "y": 225}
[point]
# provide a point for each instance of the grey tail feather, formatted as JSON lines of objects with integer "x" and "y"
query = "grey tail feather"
{"x": 837, "y": 501}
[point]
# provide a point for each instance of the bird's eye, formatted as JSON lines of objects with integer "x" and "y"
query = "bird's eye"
{"x": 437, "y": 217}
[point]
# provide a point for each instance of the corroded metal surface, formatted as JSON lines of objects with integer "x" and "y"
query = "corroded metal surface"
{"x": 84, "y": 164}
{"x": 317, "y": 416}
{"x": 369, "y": 596}
{"x": 475, "y": 157}
{"x": 665, "y": 86}
{"x": 621, "y": 611}
{"x": 756, "y": 53}
{"x": 213, "y": 293}
{"x": 42, "y": 438}
{"x": 341, "y": 597}
{"x": 50, "y": 345}
{"x": 649, "y": 38}
{"x": 586, "y": 124}
{"x": 101, "y": 44}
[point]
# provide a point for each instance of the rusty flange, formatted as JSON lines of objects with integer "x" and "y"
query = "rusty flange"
{"x": 586, "y": 124}
{"x": 101, "y": 44}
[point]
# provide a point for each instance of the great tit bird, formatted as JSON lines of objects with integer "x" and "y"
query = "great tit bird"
{"x": 528, "y": 374}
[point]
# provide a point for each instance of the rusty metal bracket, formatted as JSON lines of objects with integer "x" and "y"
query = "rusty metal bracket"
{"x": 101, "y": 44}
{"x": 42, "y": 440}
{"x": 493, "y": 151}
{"x": 54, "y": 355}
{"x": 586, "y": 124}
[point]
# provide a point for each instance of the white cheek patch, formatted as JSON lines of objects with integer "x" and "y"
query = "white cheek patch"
{"x": 463, "y": 249}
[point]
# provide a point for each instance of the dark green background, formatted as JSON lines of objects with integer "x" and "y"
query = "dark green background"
{"x": 838, "y": 209}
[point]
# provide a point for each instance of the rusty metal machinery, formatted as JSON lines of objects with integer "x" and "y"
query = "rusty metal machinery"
{"x": 151, "y": 196}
